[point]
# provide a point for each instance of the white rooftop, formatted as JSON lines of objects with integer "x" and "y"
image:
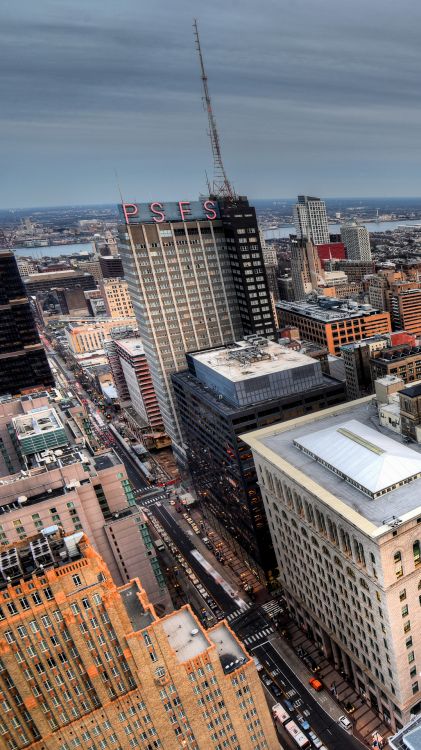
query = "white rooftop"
{"x": 184, "y": 635}
{"x": 229, "y": 649}
{"x": 133, "y": 346}
{"x": 37, "y": 423}
{"x": 371, "y": 461}
{"x": 246, "y": 360}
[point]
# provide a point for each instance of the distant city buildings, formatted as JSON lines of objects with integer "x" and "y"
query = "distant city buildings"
{"x": 23, "y": 359}
{"x": 91, "y": 336}
{"x": 310, "y": 219}
{"x": 357, "y": 241}
{"x": 117, "y": 672}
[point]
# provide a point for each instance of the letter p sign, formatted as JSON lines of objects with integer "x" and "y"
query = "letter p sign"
{"x": 130, "y": 210}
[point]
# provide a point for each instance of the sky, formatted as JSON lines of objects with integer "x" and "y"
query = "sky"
{"x": 310, "y": 96}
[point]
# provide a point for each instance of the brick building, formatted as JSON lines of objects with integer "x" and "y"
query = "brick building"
{"x": 84, "y": 663}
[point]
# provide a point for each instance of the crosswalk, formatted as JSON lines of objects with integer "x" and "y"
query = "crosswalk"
{"x": 273, "y": 608}
{"x": 238, "y": 612}
{"x": 258, "y": 636}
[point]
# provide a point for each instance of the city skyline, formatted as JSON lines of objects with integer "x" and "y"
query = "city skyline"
{"x": 301, "y": 101}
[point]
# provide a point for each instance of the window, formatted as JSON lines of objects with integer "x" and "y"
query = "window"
{"x": 76, "y": 580}
{"x": 405, "y": 610}
{"x": 417, "y": 552}
{"x": 397, "y": 558}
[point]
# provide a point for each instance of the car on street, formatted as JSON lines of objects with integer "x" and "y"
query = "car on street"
{"x": 349, "y": 707}
{"x": 288, "y": 705}
{"x": 311, "y": 664}
{"x": 345, "y": 723}
{"x": 266, "y": 679}
{"x": 303, "y": 721}
{"x": 316, "y": 684}
{"x": 315, "y": 739}
{"x": 258, "y": 664}
{"x": 275, "y": 691}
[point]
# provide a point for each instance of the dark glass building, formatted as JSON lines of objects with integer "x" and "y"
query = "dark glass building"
{"x": 247, "y": 266}
{"x": 225, "y": 393}
{"x": 23, "y": 361}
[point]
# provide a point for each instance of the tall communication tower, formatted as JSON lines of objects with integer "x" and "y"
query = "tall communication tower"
{"x": 221, "y": 186}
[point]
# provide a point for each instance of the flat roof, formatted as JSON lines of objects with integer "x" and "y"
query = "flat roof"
{"x": 373, "y": 462}
{"x": 330, "y": 311}
{"x": 37, "y": 422}
{"x": 413, "y": 391}
{"x": 132, "y": 346}
{"x": 184, "y": 635}
{"x": 246, "y": 359}
{"x": 278, "y": 445}
{"x": 139, "y": 617}
{"x": 230, "y": 652}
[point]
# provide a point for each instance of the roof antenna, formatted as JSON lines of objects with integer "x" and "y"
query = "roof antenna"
{"x": 118, "y": 185}
{"x": 221, "y": 186}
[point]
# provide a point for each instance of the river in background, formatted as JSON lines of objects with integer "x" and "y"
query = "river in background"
{"x": 372, "y": 226}
{"x": 271, "y": 234}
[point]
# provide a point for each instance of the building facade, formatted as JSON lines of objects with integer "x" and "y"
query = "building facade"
{"x": 223, "y": 393}
{"x": 357, "y": 363}
{"x": 138, "y": 381}
{"x": 310, "y": 219}
{"x": 306, "y": 268}
{"x": 117, "y": 299}
{"x": 90, "y": 337}
{"x": 342, "y": 499}
{"x": 357, "y": 241}
{"x": 84, "y": 662}
{"x": 333, "y": 323}
{"x": 402, "y": 361}
{"x": 23, "y": 361}
{"x": 406, "y": 308}
{"x": 181, "y": 284}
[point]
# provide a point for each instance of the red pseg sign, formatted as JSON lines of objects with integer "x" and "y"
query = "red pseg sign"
{"x": 157, "y": 212}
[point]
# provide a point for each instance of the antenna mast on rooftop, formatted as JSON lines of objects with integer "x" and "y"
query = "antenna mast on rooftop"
{"x": 221, "y": 186}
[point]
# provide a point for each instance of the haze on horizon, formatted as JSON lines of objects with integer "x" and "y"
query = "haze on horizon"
{"x": 311, "y": 96}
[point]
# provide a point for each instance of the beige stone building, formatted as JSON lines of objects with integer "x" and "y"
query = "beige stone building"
{"x": 90, "y": 337}
{"x": 117, "y": 299}
{"x": 86, "y": 664}
{"x": 342, "y": 496}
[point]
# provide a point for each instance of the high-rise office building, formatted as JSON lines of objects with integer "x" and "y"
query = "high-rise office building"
{"x": 306, "y": 268}
{"x": 223, "y": 393}
{"x": 357, "y": 241}
{"x": 405, "y": 306}
{"x": 247, "y": 264}
{"x": 178, "y": 268}
{"x": 310, "y": 219}
{"x": 23, "y": 362}
{"x": 116, "y": 297}
{"x": 84, "y": 663}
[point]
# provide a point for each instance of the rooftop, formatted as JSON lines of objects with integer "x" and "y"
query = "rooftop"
{"x": 413, "y": 391}
{"x": 245, "y": 360}
{"x": 373, "y": 462}
{"x": 37, "y": 422}
{"x": 328, "y": 310}
{"x": 408, "y": 738}
{"x": 47, "y": 549}
{"x": 138, "y": 615}
{"x": 184, "y": 635}
{"x": 230, "y": 652}
{"x": 349, "y": 452}
{"x": 133, "y": 346}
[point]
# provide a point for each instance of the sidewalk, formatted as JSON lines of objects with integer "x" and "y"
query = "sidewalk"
{"x": 365, "y": 719}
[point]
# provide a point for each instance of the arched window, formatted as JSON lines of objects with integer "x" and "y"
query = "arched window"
{"x": 417, "y": 552}
{"x": 314, "y": 541}
{"x": 304, "y": 532}
{"x": 397, "y": 559}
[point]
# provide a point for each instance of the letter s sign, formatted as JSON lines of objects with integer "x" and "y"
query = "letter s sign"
{"x": 210, "y": 211}
{"x": 159, "y": 214}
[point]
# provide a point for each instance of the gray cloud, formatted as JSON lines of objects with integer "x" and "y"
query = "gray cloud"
{"x": 309, "y": 95}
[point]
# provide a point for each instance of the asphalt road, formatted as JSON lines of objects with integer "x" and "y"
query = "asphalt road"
{"x": 186, "y": 546}
{"x": 331, "y": 734}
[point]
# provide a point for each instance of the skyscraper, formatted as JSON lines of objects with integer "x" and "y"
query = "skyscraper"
{"x": 357, "y": 241}
{"x": 178, "y": 269}
{"x": 86, "y": 664}
{"x": 23, "y": 362}
{"x": 310, "y": 219}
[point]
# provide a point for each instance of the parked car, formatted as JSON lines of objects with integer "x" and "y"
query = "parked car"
{"x": 315, "y": 739}
{"x": 311, "y": 664}
{"x": 303, "y": 722}
{"x": 288, "y": 705}
{"x": 349, "y": 707}
{"x": 345, "y": 723}
{"x": 316, "y": 684}
{"x": 275, "y": 691}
